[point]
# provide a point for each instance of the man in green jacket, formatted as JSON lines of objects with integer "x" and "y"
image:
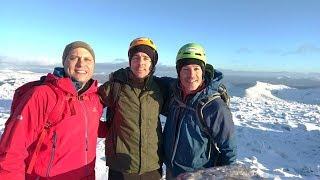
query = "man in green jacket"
{"x": 134, "y": 136}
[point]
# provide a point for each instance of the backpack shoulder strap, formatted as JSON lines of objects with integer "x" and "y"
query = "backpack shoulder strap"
{"x": 203, "y": 102}
{"x": 205, "y": 127}
{"x": 222, "y": 89}
{"x": 223, "y": 94}
{"x": 54, "y": 117}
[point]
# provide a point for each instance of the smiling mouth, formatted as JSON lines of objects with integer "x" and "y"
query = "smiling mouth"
{"x": 193, "y": 81}
{"x": 81, "y": 72}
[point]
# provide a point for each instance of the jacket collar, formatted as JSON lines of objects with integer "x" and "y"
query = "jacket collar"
{"x": 59, "y": 80}
{"x": 124, "y": 75}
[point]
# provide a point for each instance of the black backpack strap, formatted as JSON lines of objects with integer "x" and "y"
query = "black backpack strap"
{"x": 205, "y": 127}
{"x": 222, "y": 89}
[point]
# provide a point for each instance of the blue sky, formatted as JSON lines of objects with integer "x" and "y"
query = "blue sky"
{"x": 258, "y": 35}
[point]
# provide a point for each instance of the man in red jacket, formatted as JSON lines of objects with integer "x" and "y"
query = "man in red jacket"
{"x": 68, "y": 149}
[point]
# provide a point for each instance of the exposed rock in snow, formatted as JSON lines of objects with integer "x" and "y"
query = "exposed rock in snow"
{"x": 223, "y": 172}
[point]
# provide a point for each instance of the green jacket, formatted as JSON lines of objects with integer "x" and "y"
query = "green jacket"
{"x": 134, "y": 139}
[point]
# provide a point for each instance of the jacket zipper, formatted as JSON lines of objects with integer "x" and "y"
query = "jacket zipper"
{"x": 178, "y": 125}
{"x": 140, "y": 141}
{"x": 177, "y": 135}
{"x": 54, "y": 139}
{"x": 85, "y": 134}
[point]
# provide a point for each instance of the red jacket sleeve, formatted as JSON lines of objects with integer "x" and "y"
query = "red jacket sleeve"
{"x": 20, "y": 132}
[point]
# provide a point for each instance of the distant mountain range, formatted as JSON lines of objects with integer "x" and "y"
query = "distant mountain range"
{"x": 232, "y": 77}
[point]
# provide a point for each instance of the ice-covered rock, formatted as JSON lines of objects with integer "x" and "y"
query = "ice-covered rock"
{"x": 237, "y": 171}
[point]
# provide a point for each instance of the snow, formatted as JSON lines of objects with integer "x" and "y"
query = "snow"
{"x": 277, "y": 127}
{"x": 282, "y": 92}
{"x": 279, "y": 137}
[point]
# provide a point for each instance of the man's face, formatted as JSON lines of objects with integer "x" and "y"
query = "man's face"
{"x": 190, "y": 77}
{"x": 140, "y": 65}
{"x": 79, "y": 65}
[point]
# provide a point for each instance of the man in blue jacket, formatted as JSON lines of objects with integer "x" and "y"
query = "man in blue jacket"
{"x": 199, "y": 131}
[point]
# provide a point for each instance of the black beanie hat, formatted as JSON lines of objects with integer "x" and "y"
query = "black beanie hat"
{"x": 145, "y": 49}
{"x": 188, "y": 61}
{"x": 74, "y": 45}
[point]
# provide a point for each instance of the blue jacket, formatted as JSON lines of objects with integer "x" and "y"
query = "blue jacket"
{"x": 187, "y": 147}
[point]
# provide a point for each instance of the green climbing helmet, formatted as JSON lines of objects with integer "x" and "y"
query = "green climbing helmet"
{"x": 192, "y": 51}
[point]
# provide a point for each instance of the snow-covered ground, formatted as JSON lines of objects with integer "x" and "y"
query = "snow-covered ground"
{"x": 278, "y": 136}
{"x": 278, "y": 127}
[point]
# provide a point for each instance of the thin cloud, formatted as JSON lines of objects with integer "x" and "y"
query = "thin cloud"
{"x": 37, "y": 61}
{"x": 119, "y": 60}
{"x": 274, "y": 51}
{"x": 244, "y": 50}
{"x": 304, "y": 49}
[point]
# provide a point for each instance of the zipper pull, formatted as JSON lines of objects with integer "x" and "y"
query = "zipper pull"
{"x": 87, "y": 144}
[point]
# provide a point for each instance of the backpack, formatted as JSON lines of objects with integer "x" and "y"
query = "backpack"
{"x": 223, "y": 94}
{"x": 54, "y": 117}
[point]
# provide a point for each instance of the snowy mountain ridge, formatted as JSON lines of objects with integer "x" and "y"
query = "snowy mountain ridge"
{"x": 264, "y": 90}
{"x": 283, "y": 93}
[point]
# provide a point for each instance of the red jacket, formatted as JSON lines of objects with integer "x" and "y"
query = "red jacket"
{"x": 69, "y": 150}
